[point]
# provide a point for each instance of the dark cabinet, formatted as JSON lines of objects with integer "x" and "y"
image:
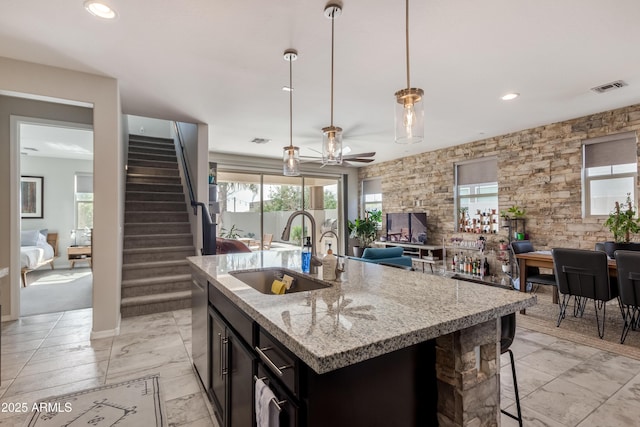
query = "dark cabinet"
{"x": 232, "y": 370}
{"x": 398, "y": 388}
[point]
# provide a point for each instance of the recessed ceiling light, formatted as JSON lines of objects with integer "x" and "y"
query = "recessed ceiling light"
{"x": 510, "y": 96}
{"x": 99, "y": 9}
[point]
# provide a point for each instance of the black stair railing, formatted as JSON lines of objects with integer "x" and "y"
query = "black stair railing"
{"x": 208, "y": 226}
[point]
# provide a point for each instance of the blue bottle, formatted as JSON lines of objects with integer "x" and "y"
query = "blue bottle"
{"x": 306, "y": 256}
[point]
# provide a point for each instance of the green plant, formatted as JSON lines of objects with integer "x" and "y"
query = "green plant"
{"x": 232, "y": 233}
{"x": 365, "y": 229}
{"x": 622, "y": 221}
{"x": 516, "y": 211}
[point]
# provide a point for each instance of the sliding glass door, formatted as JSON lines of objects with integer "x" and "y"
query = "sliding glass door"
{"x": 254, "y": 208}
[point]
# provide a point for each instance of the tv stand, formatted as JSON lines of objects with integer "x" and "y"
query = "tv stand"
{"x": 424, "y": 254}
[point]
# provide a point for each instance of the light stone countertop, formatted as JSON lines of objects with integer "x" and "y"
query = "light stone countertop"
{"x": 374, "y": 310}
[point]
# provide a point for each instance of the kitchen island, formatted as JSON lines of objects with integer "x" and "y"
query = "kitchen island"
{"x": 418, "y": 343}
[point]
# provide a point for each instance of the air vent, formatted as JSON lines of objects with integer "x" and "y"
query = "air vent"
{"x": 260, "y": 140}
{"x": 609, "y": 86}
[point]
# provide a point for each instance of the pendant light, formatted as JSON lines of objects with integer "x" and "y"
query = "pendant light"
{"x": 332, "y": 135}
{"x": 291, "y": 154}
{"x": 409, "y": 111}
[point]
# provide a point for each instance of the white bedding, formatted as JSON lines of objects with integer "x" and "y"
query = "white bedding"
{"x": 34, "y": 256}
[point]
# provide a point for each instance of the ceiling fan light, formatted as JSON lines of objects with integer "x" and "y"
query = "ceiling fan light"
{"x": 291, "y": 161}
{"x": 409, "y": 116}
{"x": 331, "y": 145}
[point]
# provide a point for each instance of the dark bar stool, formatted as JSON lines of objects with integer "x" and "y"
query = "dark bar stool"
{"x": 628, "y": 265}
{"x": 506, "y": 339}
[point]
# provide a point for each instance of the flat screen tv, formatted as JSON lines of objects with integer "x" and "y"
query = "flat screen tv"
{"x": 407, "y": 227}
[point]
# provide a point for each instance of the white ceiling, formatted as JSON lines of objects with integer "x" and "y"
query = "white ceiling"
{"x": 221, "y": 63}
{"x": 48, "y": 140}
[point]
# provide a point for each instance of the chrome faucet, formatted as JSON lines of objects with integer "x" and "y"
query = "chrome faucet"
{"x": 315, "y": 261}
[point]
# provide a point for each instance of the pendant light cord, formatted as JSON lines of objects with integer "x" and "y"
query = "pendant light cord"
{"x": 407, "y": 37}
{"x": 290, "y": 103}
{"x": 333, "y": 18}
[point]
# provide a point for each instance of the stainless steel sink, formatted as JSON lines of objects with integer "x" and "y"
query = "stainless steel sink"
{"x": 262, "y": 279}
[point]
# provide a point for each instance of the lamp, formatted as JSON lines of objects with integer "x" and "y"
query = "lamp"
{"x": 409, "y": 111}
{"x": 332, "y": 135}
{"x": 291, "y": 154}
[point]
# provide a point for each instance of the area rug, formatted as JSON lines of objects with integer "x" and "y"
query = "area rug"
{"x": 583, "y": 330}
{"x": 133, "y": 403}
{"x": 52, "y": 291}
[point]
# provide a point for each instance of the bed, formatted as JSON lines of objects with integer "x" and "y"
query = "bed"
{"x": 37, "y": 248}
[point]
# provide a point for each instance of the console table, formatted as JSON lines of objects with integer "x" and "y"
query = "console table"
{"x": 424, "y": 254}
{"x": 79, "y": 253}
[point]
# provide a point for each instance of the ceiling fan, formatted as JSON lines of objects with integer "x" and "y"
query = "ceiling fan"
{"x": 348, "y": 159}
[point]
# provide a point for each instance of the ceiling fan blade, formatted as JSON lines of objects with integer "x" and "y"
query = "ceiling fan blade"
{"x": 370, "y": 154}
{"x": 357, "y": 159}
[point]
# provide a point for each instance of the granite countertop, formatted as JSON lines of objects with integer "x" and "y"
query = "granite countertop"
{"x": 372, "y": 311}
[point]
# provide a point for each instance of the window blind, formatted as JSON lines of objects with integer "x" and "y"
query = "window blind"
{"x": 372, "y": 186}
{"x": 478, "y": 171}
{"x": 617, "y": 149}
{"x": 84, "y": 183}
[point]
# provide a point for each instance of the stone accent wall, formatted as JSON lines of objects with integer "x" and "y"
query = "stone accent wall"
{"x": 538, "y": 169}
{"x": 467, "y": 371}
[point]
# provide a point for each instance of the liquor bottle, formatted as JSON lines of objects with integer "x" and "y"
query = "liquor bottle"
{"x": 486, "y": 267}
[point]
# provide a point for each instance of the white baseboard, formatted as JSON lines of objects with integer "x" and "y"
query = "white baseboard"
{"x": 95, "y": 335}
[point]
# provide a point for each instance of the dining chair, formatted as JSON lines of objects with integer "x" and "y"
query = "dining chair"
{"x": 533, "y": 273}
{"x": 584, "y": 275}
{"x": 508, "y": 332}
{"x": 628, "y": 270}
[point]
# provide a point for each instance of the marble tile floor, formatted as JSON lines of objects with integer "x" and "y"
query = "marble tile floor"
{"x": 561, "y": 383}
{"x": 52, "y": 354}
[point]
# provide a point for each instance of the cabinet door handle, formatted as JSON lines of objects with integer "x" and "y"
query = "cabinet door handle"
{"x": 265, "y": 359}
{"x": 225, "y": 353}
{"x": 220, "y": 354}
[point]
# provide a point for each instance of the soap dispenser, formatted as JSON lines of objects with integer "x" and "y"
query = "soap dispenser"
{"x": 306, "y": 256}
{"x": 329, "y": 263}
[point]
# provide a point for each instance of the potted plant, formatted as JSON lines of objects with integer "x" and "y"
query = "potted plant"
{"x": 365, "y": 230}
{"x": 622, "y": 223}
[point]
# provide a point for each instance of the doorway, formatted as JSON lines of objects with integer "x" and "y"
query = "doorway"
{"x": 56, "y": 215}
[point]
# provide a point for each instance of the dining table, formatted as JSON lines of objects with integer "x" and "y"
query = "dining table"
{"x": 544, "y": 259}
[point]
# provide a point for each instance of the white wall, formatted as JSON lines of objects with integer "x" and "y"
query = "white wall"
{"x": 149, "y": 127}
{"x": 24, "y": 79}
{"x": 58, "y": 197}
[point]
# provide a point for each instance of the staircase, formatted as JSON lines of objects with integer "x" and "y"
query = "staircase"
{"x": 157, "y": 233}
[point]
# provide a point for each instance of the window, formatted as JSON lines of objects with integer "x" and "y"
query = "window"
{"x": 476, "y": 187}
{"x": 609, "y": 171}
{"x": 372, "y": 196}
{"x": 84, "y": 200}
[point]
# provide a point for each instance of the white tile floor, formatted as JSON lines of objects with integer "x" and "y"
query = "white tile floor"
{"x": 561, "y": 383}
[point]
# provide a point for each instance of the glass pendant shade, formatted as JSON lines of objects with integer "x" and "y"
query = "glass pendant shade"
{"x": 409, "y": 116}
{"x": 332, "y": 145}
{"x": 291, "y": 161}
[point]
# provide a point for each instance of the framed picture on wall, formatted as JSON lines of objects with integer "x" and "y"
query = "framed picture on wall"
{"x": 31, "y": 196}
